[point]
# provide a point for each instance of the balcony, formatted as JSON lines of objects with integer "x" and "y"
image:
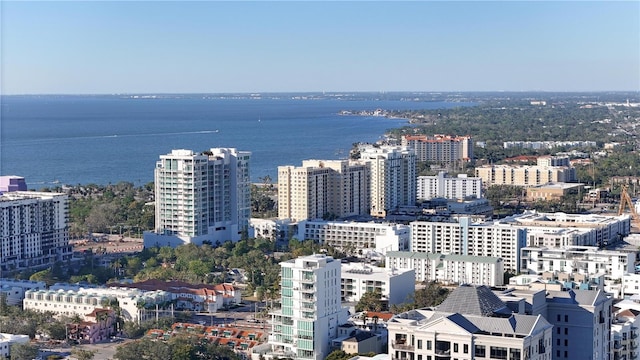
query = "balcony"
{"x": 401, "y": 345}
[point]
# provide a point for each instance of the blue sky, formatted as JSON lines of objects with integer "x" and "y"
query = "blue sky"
{"x": 184, "y": 47}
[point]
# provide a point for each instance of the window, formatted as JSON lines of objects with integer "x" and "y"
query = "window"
{"x": 455, "y": 347}
{"x": 465, "y": 348}
{"x": 514, "y": 354}
{"x": 566, "y": 318}
{"x": 428, "y": 344}
{"x": 498, "y": 352}
{"x": 566, "y": 331}
{"x": 480, "y": 351}
{"x": 419, "y": 344}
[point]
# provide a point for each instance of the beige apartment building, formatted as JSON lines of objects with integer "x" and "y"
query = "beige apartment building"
{"x": 523, "y": 175}
{"x": 321, "y": 188}
{"x": 393, "y": 177}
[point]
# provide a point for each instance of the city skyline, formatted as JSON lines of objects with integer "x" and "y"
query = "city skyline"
{"x": 212, "y": 47}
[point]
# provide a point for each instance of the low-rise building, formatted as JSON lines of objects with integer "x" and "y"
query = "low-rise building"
{"x": 356, "y": 237}
{"x": 6, "y": 340}
{"x": 70, "y": 300}
{"x": 98, "y": 327}
{"x": 586, "y": 260}
{"x": 270, "y": 229}
{"x": 194, "y": 297}
{"x": 553, "y": 191}
{"x": 449, "y": 268}
{"x": 395, "y": 285}
{"x": 14, "y": 289}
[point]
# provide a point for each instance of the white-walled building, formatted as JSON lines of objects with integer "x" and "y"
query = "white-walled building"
{"x": 395, "y": 285}
{"x": 6, "y": 340}
{"x": 356, "y": 237}
{"x": 320, "y": 188}
{"x": 270, "y": 229}
{"x": 449, "y": 269}
{"x": 472, "y": 323}
{"x": 586, "y": 260}
{"x": 194, "y": 297}
{"x": 14, "y": 289}
{"x": 600, "y": 229}
{"x": 625, "y": 336}
{"x": 70, "y": 300}
{"x": 444, "y": 186}
{"x": 393, "y": 177}
{"x": 463, "y": 237}
{"x": 201, "y": 197}
{"x": 311, "y": 310}
{"x": 34, "y": 229}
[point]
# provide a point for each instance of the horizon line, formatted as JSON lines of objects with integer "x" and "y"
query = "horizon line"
{"x": 257, "y": 93}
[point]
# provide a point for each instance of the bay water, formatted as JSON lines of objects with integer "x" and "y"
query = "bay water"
{"x": 53, "y": 140}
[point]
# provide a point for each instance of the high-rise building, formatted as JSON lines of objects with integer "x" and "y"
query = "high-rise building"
{"x": 311, "y": 311}
{"x": 34, "y": 229}
{"x": 393, "y": 177}
{"x": 442, "y": 149}
{"x": 444, "y": 186}
{"x": 323, "y": 188}
{"x": 201, "y": 197}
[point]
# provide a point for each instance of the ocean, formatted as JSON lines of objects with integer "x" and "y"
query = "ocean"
{"x": 53, "y": 140}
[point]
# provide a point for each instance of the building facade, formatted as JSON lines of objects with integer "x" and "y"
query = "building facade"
{"x": 444, "y": 186}
{"x": 34, "y": 229}
{"x": 70, "y": 300}
{"x": 14, "y": 289}
{"x": 323, "y": 188}
{"x": 358, "y": 238}
{"x": 449, "y": 269}
{"x": 442, "y": 149}
{"x": 395, "y": 285}
{"x": 393, "y": 177}
{"x": 201, "y": 197}
{"x": 311, "y": 311}
{"x": 472, "y": 323}
{"x": 524, "y": 175}
{"x": 464, "y": 237}
{"x": 586, "y": 260}
{"x": 582, "y": 324}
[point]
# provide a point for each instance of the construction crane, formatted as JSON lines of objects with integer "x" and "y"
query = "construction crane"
{"x": 625, "y": 200}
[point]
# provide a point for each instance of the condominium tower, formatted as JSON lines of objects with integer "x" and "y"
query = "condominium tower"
{"x": 442, "y": 149}
{"x": 311, "y": 311}
{"x": 393, "y": 177}
{"x": 201, "y": 197}
{"x": 34, "y": 229}
{"x": 323, "y": 188}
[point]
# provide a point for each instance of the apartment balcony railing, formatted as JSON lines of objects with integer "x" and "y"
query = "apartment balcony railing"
{"x": 401, "y": 345}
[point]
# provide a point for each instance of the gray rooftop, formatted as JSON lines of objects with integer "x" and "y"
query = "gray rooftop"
{"x": 474, "y": 300}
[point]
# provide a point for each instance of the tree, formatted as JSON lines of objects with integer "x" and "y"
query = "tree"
{"x": 23, "y": 351}
{"x": 370, "y": 301}
{"x": 82, "y": 354}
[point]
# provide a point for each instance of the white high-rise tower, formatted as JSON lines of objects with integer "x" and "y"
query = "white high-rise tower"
{"x": 311, "y": 311}
{"x": 201, "y": 197}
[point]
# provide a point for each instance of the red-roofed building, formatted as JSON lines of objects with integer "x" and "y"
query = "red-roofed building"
{"x": 195, "y": 297}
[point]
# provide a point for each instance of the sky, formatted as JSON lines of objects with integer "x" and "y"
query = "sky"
{"x": 102, "y": 47}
